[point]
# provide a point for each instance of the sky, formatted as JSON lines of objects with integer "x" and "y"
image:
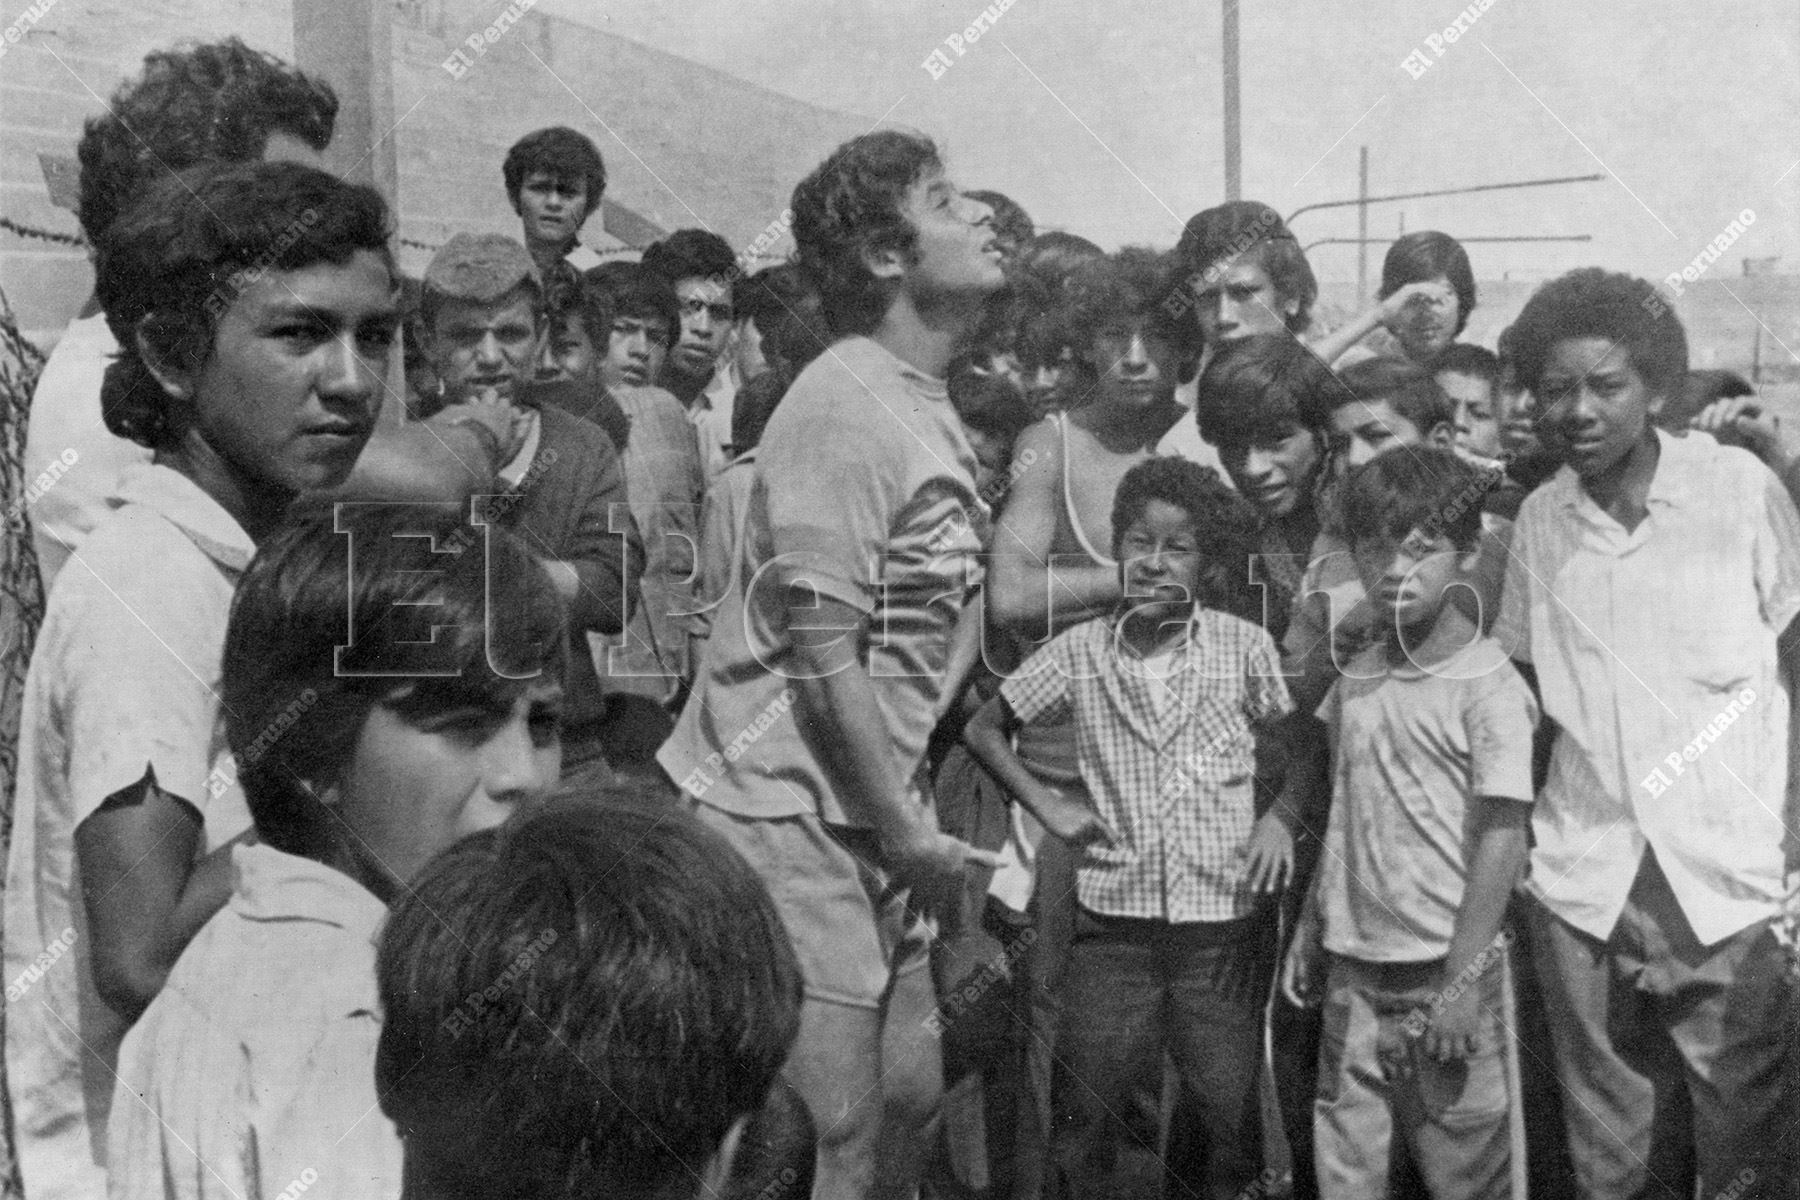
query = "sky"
{"x": 1106, "y": 120}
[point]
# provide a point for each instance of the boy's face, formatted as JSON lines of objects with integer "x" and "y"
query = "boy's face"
{"x": 568, "y": 351}
{"x": 634, "y": 356}
{"x": 486, "y": 350}
{"x": 415, "y": 785}
{"x": 705, "y": 325}
{"x": 1518, "y": 422}
{"x": 957, "y": 254}
{"x": 1159, "y": 558}
{"x": 1429, "y": 323}
{"x": 1239, "y": 300}
{"x": 1406, "y": 579}
{"x": 1275, "y": 470}
{"x": 1592, "y": 404}
{"x": 1136, "y": 365}
{"x": 1362, "y": 429}
{"x": 552, "y": 208}
{"x": 288, "y": 396}
{"x": 1477, "y": 420}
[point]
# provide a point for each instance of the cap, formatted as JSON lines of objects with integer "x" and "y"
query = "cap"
{"x": 480, "y": 266}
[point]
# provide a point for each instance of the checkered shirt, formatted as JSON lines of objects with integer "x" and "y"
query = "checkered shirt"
{"x": 1176, "y": 781}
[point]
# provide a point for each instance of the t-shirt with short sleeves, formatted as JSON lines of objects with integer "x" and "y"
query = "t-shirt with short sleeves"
{"x": 124, "y": 679}
{"x": 864, "y": 492}
{"x": 1412, "y": 749}
{"x": 1169, "y": 761}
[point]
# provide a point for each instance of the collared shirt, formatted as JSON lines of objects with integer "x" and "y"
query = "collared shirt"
{"x": 710, "y": 415}
{"x": 865, "y": 494}
{"x": 124, "y": 678}
{"x": 67, "y": 442}
{"x": 253, "y": 1070}
{"x": 1175, "y": 780}
{"x": 1412, "y": 750}
{"x": 1655, "y": 656}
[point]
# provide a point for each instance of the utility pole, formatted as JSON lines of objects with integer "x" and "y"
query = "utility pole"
{"x": 1362, "y": 226}
{"x": 1234, "y": 160}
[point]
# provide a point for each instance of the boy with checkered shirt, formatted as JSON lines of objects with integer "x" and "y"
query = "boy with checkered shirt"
{"x": 1173, "y": 942}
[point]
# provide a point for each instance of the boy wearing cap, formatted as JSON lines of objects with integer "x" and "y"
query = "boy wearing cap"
{"x": 483, "y": 314}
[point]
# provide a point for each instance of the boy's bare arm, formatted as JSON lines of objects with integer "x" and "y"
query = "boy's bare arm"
{"x": 1028, "y": 590}
{"x": 1495, "y": 864}
{"x": 989, "y": 738}
{"x": 146, "y": 897}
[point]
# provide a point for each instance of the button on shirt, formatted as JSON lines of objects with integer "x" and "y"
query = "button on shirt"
{"x": 125, "y": 677}
{"x": 864, "y": 493}
{"x": 255, "y": 1064}
{"x": 1655, "y": 656}
{"x": 1174, "y": 780}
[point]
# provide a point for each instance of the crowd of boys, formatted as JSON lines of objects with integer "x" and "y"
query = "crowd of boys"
{"x": 596, "y": 769}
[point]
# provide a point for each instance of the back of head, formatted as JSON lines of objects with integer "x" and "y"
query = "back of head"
{"x": 171, "y": 266}
{"x": 788, "y": 314}
{"x": 1428, "y": 254}
{"x": 352, "y": 604}
{"x": 1595, "y": 303}
{"x": 217, "y": 102}
{"x": 854, "y": 205}
{"x": 581, "y": 1003}
{"x": 1011, "y": 223}
{"x": 1703, "y": 387}
{"x": 1416, "y": 488}
{"x": 637, "y": 292}
{"x": 777, "y": 1153}
{"x": 987, "y": 400}
{"x": 1254, "y": 232}
{"x": 1039, "y": 276}
{"x": 1262, "y": 386}
{"x": 1411, "y": 390}
{"x": 563, "y": 154}
{"x": 691, "y": 253}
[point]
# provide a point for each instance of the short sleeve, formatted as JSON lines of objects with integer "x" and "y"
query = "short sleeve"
{"x": 138, "y": 670}
{"x": 1777, "y": 554}
{"x": 1499, "y": 720}
{"x": 1266, "y": 696}
{"x": 831, "y": 489}
{"x": 1041, "y": 687}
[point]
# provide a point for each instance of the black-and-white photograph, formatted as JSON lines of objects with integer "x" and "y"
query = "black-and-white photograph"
{"x": 930, "y": 600}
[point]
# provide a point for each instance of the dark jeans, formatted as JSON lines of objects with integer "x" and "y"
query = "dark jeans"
{"x": 1134, "y": 991}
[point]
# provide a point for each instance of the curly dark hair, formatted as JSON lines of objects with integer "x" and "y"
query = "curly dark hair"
{"x": 1409, "y": 488}
{"x": 1266, "y": 385}
{"x": 1595, "y": 303}
{"x": 1411, "y": 390}
{"x": 1036, "y": 282}
{"x": 563, "y": 154}
{"x": 854, "y": 204}
{"x": 217, "y": 102}
{"x": 170, "y": 268}
{"x": 1427, "y": 254}
{"x": 788, "y": 314}
{"x": 1226, "y": 528}
{"x": 1134, "y": 283}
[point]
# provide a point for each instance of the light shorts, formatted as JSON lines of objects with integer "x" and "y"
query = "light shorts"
{"x": 850, "y": 926}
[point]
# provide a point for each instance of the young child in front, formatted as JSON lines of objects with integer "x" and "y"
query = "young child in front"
{"x": 392, "y": 682}
{"x": 1401, "y": 935}
{"x": 1653, "y": 577}
{"x": 1174, "y": 939}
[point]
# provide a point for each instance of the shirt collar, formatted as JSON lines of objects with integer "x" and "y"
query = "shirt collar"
{"x": 1672, "y": 483}
{"x": 514, "y": 472}
{"x": 271, "y": 885}
{"x": 1187, "y": 631}
{"x": 185, "y": 505}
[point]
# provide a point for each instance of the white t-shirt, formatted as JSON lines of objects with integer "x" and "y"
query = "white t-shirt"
{"x": 124, "y": 677}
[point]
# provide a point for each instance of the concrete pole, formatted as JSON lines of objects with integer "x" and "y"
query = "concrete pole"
{"x": 350, "y": 44}
{"x": 1362, "y": 227}
{"x": 1234, "y": 159}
